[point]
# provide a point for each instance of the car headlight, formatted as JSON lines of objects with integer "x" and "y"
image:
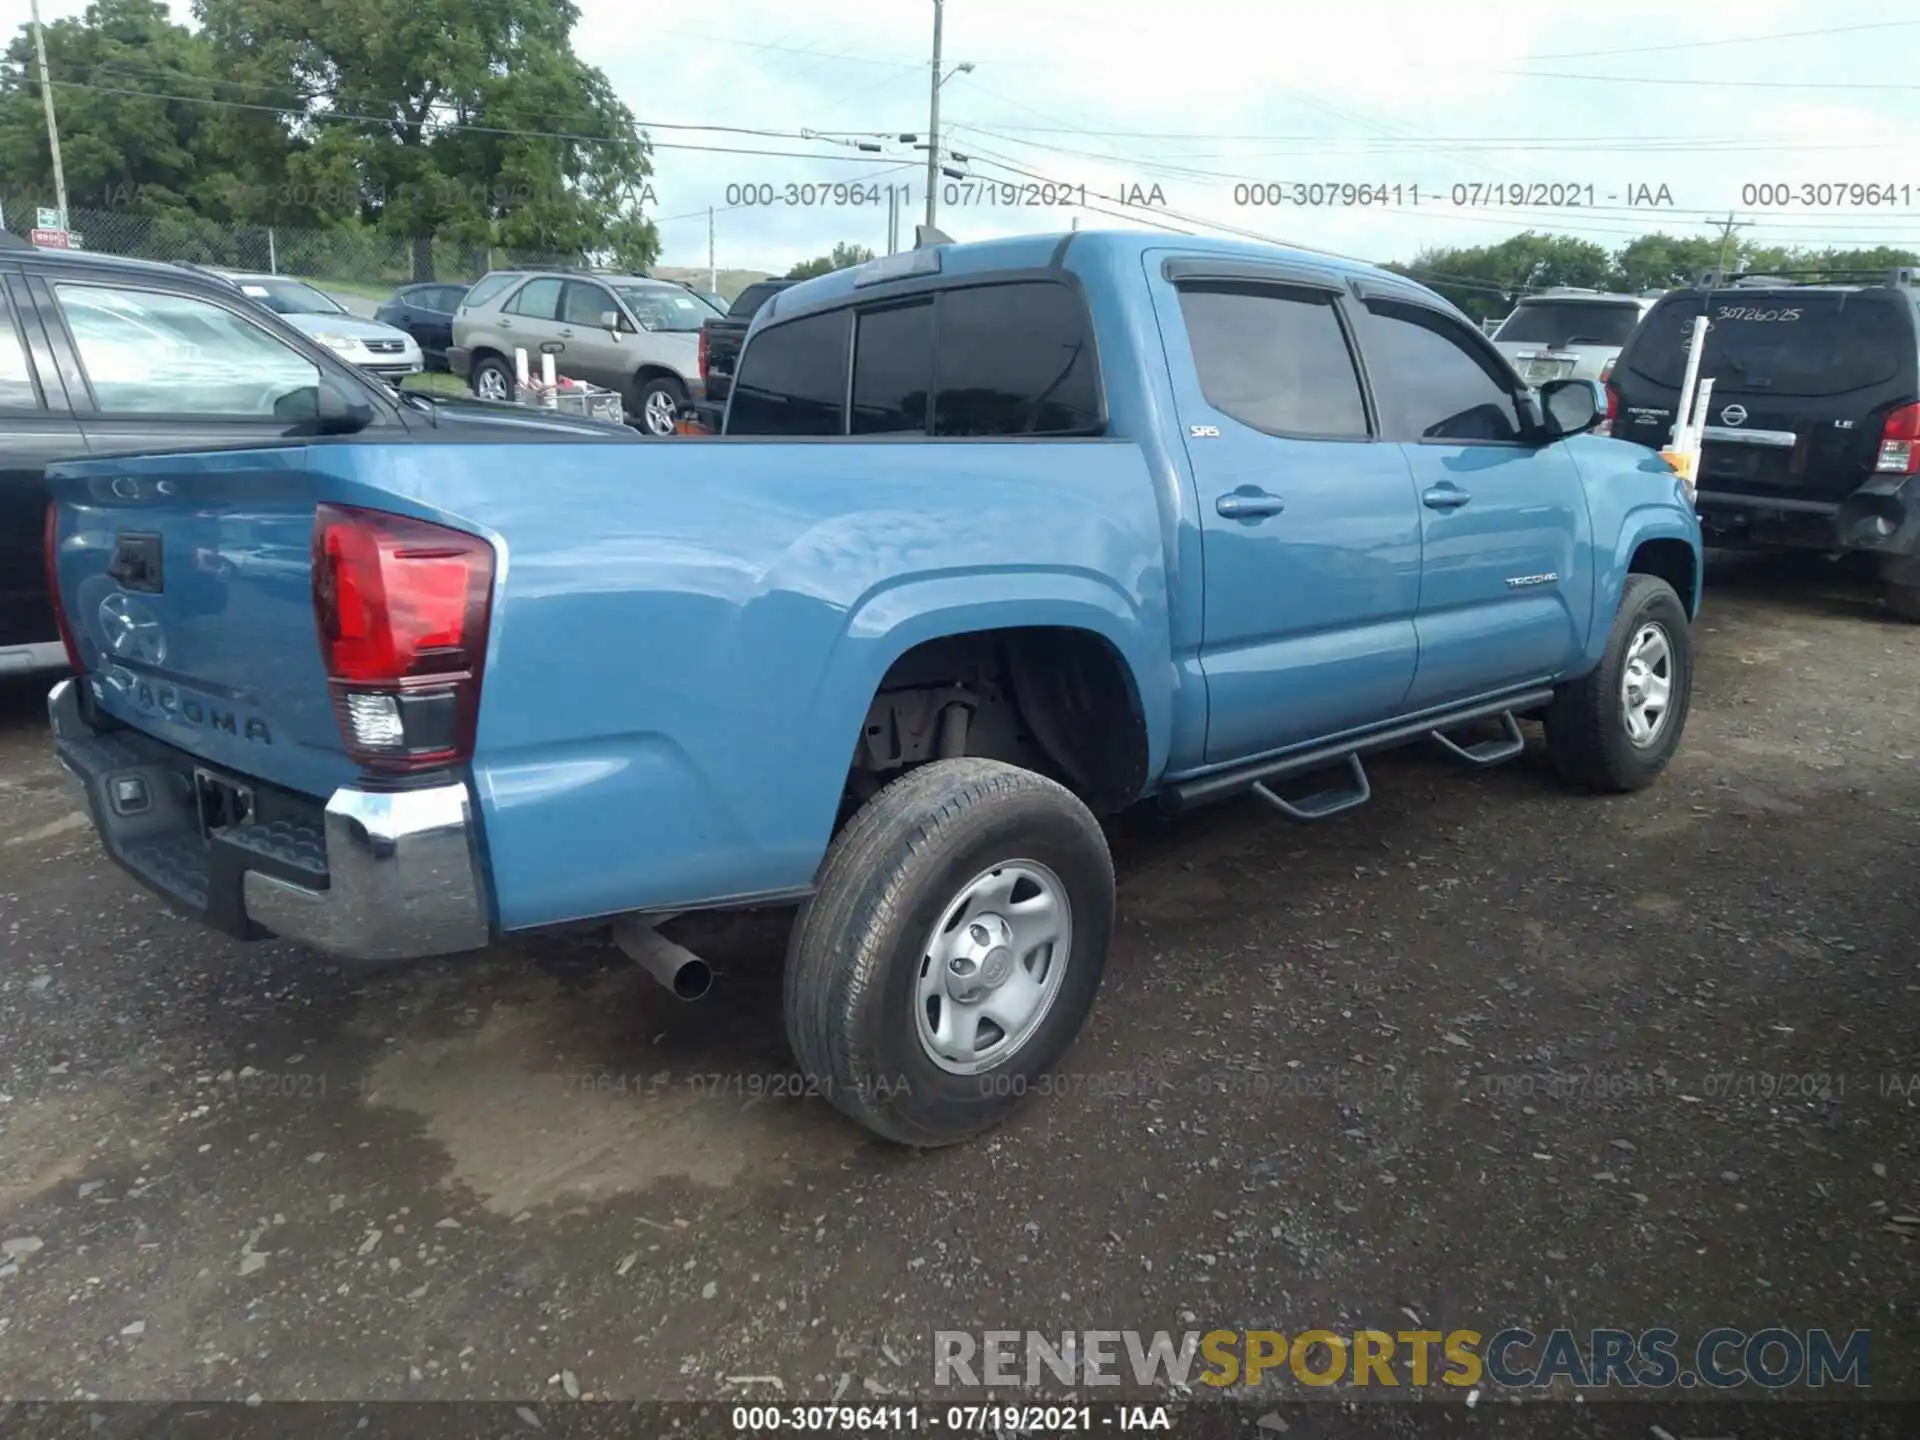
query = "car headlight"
{"x": 343, "y": 343}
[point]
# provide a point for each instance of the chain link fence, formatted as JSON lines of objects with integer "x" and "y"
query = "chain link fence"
{"x": 354, "y": 257}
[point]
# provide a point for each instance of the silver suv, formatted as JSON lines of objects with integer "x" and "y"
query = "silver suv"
{"x": 638, "y": 336}
{"x": 1565, "y": 333}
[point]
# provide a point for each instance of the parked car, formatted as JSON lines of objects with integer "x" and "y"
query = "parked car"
{"x": 425, "y": 312}
{"x": 1813, "y": 436}
{"x": 1569, "y": 334}
{"x": 720, "y": 346}
{"x": 374, "y": 346}
{"x": 122, "y": 356}
{"x": 637, "y": 336}
{"x": 895, "y": 681}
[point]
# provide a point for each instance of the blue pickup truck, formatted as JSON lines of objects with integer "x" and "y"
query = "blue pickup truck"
{"x": 1000, "y": 537}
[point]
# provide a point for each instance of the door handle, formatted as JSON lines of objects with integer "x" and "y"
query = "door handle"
{"x": 1248, "y": 504}
{"x": 1445, "y": 497}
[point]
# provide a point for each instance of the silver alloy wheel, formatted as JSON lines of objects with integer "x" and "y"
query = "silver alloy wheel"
{"x": 992, "y": 966}
{"x": 659, "y": 412}
{"x": 490, "y": 384}
{"x": 1646, "y": 684}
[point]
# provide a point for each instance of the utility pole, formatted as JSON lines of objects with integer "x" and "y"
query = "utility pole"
{"x": 713, "y": 275}
{"x": 53, "y": 128}
{"x": 1726, "y": 243}
{"x": 933, "y": 115}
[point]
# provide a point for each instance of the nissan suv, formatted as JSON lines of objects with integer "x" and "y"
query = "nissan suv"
{"x": 1569, "y": 334}
{"x": 627, "y": 333}
{"x": 1812, "y": 439}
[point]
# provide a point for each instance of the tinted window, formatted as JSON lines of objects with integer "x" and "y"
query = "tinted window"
{"x": 586, "y": 304}
{"x": 537, "y": 300}
{"x": 151, "y": 353}
{"x": 1013, "y": 360}
{"x": 16, "y": 381}
{"x": 1434, "y": 379}
{"x": 893, "y": 369}
{"x": 487, "y": 287}
{"x": 1274, "y": 358}
{"x": 1569, "y": 322}
{"x": 1794, "y": 342}
{"x": 792, "y": 379}
{"x": 751, "y": 299}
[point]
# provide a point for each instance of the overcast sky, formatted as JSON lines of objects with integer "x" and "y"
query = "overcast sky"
{"x": 1199, "y": 99}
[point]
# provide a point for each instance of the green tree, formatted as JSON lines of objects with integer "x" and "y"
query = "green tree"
{"x": 842, "y": 257}
{"x": 123, "y": 146}
{"x": 1485, "y": 280}
{"x": 468, "y": 120}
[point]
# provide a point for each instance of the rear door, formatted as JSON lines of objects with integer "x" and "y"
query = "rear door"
{"x": 36, "y": 427}
{"x": 1803, "y": 380}
{"x": 1310, "y": 526}
{"x": 1506, "y": 590}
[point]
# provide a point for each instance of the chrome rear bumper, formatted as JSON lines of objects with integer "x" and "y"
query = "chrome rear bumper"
{"x": 372, "y": 875}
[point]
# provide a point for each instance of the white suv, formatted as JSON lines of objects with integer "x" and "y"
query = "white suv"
{"x": 1565, "y": 333}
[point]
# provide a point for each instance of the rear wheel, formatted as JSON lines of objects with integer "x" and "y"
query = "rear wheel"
{"x": 1616, "y": 728}
{"x": 952, "y": 950}
{"x": 492, "y": 380}
{"x": 1904, "y": 601}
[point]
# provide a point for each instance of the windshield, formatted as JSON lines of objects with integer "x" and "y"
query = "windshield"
{"x": 1794, "y": 342}
{"x": 1570, "y": 322}
{"x": 666, "y": 307}
{"x": 290, "y": 297}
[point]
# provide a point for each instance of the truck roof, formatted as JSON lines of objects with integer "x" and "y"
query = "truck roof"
{"x": 1034, "y": 252}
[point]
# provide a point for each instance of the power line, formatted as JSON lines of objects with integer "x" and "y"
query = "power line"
{"x": 335, "y": 116}
{"x": 1727, "y": 40}
{"x": 122, "y": 70}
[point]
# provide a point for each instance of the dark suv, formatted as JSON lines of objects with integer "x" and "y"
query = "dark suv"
{"x": 1812, "y": 439}
{"x": 101, "y": 355}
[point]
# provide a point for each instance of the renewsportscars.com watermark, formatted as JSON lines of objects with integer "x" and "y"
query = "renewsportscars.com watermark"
{"x": 1773, "y": 1358}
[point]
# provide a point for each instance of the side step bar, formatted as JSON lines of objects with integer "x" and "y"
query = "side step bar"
{"x": 1259, "y": 775}
{"x": 1483, "y": 753}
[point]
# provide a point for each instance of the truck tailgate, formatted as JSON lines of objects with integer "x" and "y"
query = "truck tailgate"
{"x": 187, "y": 583}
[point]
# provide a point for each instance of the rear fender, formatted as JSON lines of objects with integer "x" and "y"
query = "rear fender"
{"x": 892, "y": 621}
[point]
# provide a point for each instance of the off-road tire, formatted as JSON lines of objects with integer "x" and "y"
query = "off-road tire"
{"x": 1904, "y": 601}
{"x": 854, "y": 960}
{"x": 1586, "y": 728}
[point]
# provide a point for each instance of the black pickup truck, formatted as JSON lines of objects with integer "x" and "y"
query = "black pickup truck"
{"x": 720, "y": 347}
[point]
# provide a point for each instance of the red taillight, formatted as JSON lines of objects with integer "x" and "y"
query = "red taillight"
{"x": 51, "y": 550}
{"x": 402, "y": 607}
{"x": 703, "y": 352}
{"x": 1605, "y": 427}
{"x": 1606, "y": 371}
{"x": 1900, "y": 443}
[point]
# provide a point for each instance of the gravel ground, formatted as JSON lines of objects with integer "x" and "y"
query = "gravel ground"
{"x": 1483, "y": 1052}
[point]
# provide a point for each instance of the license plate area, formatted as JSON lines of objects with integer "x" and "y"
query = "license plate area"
{"x": 222, "y": 803}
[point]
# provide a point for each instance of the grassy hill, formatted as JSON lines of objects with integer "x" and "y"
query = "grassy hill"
{"x": 732, "y": 282}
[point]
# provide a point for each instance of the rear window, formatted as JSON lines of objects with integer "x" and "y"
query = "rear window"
{"x": 1014, "y": 360}
{"x": 750, "y": 300}
{"x": 487, "y": 287}
{"x": 793, "y": 379}
{"x": 1569, "y": 322}
{"x": 1000, "y": 359}
{"x": 1783, "y": 342}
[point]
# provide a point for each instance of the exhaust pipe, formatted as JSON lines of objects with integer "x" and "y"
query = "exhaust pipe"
{"x": 674, "y": 966}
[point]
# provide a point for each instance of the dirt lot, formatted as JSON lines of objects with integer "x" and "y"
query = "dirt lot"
{"x": 1336, "y": 1078}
